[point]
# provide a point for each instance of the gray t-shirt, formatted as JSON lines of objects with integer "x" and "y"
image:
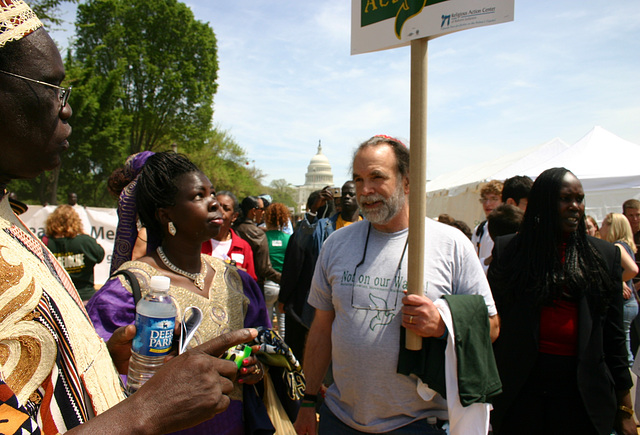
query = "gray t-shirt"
{"x": 368, "y": 394}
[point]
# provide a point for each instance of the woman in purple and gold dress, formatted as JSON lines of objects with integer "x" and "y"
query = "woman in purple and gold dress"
{"x": 176, "y": 203}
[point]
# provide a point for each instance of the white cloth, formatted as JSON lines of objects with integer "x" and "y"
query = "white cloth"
{"x": 220, "y": 249}
{"x": 635, "y": 369}
{"x": 288, "y": 228}
{"x": 472, "y": 420}
{"x": 483, "y": 245}
{"x": 379, "y": 399}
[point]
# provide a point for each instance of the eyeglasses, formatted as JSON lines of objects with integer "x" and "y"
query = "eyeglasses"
{"x": 483, "y": 200}
{"x": 63, "y": 93}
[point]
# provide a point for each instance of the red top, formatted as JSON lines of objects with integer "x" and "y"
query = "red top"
{"x": 559, "y": 325}
{"x": 559, "y": 328}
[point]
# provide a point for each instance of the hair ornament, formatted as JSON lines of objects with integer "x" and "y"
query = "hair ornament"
{"x": 384, "y": 136}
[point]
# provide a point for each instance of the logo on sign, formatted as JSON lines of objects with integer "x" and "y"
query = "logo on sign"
{"x": 374, "y": 11}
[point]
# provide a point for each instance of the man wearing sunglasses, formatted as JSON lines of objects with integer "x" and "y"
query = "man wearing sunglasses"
{"x": 56, "y": 373}
{"x": 358, "y": 293}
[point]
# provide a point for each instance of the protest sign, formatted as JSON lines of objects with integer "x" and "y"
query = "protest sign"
{"x": 382, "y": 24}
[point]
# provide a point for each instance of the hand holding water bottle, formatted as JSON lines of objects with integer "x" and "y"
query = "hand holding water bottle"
{"x": 155, "y": 321}
{"x": 187, "y": 390}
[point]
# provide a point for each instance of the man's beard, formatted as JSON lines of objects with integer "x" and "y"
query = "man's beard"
{"x": 387, "y": 210}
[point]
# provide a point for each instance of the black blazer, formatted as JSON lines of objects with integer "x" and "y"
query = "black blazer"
{"x": 602, "y": 356}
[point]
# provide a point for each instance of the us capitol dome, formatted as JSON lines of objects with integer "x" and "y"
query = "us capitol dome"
{"x": 319, "y": 171}
{"x": 318, "y": 175}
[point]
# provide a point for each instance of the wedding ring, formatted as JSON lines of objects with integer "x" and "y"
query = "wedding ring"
{"x": 411, "y": 320}
{"x": 257, "y": 371}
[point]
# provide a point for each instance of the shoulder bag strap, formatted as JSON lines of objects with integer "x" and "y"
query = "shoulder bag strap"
{"x": 133, "y": 281}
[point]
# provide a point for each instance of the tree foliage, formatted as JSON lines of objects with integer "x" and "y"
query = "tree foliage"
{"x": 101, "y": 128}
{"x": 162, "y": 61}
{"x": 225, "y": 163}
{"x": 48, "y": 11}
{"x": 282, "y": 191}
{"x": 144, "y": 77}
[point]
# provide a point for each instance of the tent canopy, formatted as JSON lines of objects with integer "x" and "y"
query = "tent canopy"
{"x": 605, "y": 164}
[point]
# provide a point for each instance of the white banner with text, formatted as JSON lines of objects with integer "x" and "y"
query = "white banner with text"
{"x": 99, "y": 223}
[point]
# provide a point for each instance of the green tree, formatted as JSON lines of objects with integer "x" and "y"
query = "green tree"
{"x": 225, "y": 163}
{"x": 48, "y": 11}
{"x": 144, "y": 76}
{"x": 164, "y": 61}
{"x": 99, "y": 142}
{"x": 39, "y": 190}
{"x": 282, "y": 191}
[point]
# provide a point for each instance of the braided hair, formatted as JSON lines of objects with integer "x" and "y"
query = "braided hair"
{"x": 157, "y": 188}
{"x": 535, "y": 260}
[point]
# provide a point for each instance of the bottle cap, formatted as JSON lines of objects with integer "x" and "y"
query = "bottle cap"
{"x": 161, "y": 283}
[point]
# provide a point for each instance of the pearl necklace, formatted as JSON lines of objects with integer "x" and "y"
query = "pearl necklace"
{"x": 197, "y": 278}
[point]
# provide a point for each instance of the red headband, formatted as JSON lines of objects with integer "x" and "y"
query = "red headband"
{"x": 384, "y": 136}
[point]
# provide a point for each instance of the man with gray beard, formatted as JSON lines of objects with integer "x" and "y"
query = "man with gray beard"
{"x": 358, "y": 291}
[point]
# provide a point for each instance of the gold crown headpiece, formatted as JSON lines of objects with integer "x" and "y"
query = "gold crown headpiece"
{"x": 17, "y": 20}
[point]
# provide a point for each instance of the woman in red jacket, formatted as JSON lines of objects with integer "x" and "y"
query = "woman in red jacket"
{"x": 228, "y": 245}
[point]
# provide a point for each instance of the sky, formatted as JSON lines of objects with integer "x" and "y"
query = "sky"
{"x": 287, "y": 81}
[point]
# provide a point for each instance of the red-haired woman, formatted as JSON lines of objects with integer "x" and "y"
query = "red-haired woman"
{"x": 276, "y": 218}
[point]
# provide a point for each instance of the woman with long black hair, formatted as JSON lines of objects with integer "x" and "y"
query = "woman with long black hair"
{"x": 561, "y": 352}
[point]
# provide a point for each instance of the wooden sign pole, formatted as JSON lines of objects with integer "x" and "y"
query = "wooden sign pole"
{"x": 418, "y": 174}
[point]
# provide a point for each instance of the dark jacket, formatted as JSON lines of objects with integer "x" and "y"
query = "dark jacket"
{"x": 257, "y": 239}
{"x": 79, "y": 256}
{"x": 602, "y": 356}
{"x": 299, "y": 264}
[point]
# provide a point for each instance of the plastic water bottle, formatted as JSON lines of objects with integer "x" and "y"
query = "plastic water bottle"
{"x": 155, "y": 320}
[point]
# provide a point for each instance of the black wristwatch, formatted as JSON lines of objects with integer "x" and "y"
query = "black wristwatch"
{"x": 310, "y": 398}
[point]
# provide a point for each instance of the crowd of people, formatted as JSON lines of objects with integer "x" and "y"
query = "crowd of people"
{"x": 526, "y": 322}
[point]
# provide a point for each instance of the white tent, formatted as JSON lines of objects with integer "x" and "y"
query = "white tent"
{"x": 457, "y": 193}
{"x": 606, "y": 164}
